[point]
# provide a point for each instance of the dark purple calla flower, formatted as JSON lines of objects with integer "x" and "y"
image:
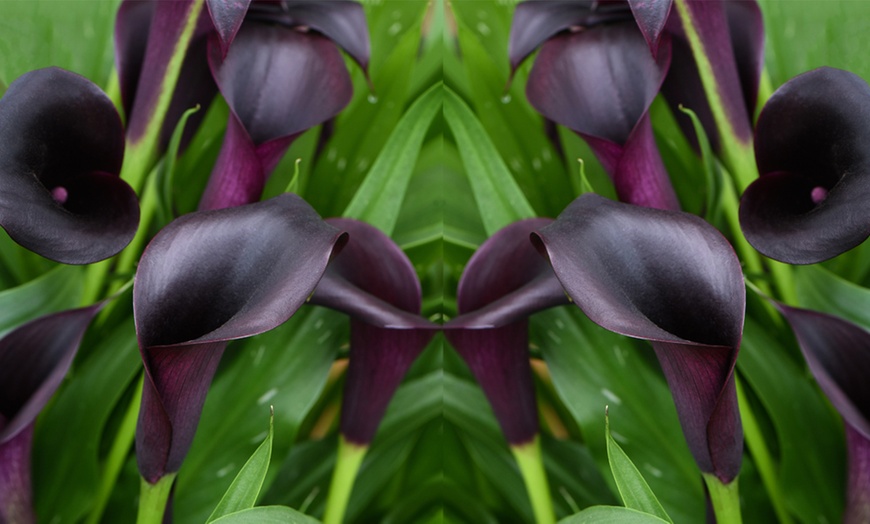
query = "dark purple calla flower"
{"x": 33, "y": 361}
{"x": 61, "y": 149}
{"x": 208, "y": 278}
{"x": 732, "y": 34}
{"x": 583, "y": 43}
{"x": 282, "y": 75}
{"x": 838, "y": 354}
{"x": 146, "y": 34}
{"x": 670, "y": 278}
{"x": 812, "y": 147}
{"x": 373, "y": 281}
{"x": 504, "y": 282}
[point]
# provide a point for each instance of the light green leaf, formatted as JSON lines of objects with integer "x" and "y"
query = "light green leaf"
{"x": 499, "y": 199}
{"x": 633, "y": 489}
{"x": 57, "y": 290}
{"x": 165, "y": 174}
{"x": 243, "y": 492}
{"x": 821, "y": 290}
{"x": 267, "y": 515}
{"x": 379, "y": 198}
{"x": 713, "y": 207}
{"x": 611, "y": 515}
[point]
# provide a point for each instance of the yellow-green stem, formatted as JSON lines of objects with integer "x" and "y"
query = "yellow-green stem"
{"x": 153, "y": 499}
{"x": 141, "y": 155}
{"x": 725, "y": 499}
{"x": 737, "y": 155}
{"x": 530, "y": 461}
{"x": 761, "y": 456}
{"x": 347, "y": 464}
{"x": 117, "y": 455}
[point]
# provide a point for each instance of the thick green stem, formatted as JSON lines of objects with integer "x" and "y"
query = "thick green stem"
{"x": 725, "y": 499}
{"x": 153, "y": 499}
{"x": 140, "y": 156}
{"x": 117, "y": 456}
{"x": 347, "y": 464}
{"x": 530, "y": 461}
{"x": 761, "y": 456}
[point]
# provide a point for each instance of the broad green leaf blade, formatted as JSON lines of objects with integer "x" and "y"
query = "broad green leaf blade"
{"x": 809, "y": 432}
{"x": 633, "y": 489}
{"x": 79, "y": 414}
{"x": 267, "y": 515}
{"x": 379, "y": 198}
{"x": 821, "y": 290}
{"x": 611, "y": 515}
{"x": 498, "y": 196}
{"x": 243, "y": 492}
{"x": 55, "y": 291}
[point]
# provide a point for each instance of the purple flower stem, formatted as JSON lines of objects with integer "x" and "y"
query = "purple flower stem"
{"x": 16, "y": 506}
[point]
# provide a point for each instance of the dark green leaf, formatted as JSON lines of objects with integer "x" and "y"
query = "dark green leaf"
{"x": 611, "y": 515}
{"x": 824, "y": 291}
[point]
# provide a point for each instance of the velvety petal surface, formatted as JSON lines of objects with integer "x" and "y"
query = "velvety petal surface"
{"x": 838, "y": 354}
{"x": 565, "y": 86}
{"x": 342, "y": 21}
{"x": 812, "y": 147}
{"x": 227, "y": 16}
{"x": 651, "y": 16}
{"x": 536, "y": 21}
{"x": 195, "y": 85}
{"x": 374, "y": 282}
{"x": 504, "y": 282}
{"x": 280, "y": 81}
{"x": 672, "y": 279}
{"x": 61, "y": 149}
{"x": 207, "y": 278}
{"x": 34, "y": 358}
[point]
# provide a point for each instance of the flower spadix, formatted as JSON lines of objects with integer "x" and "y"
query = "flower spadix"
{"x": 812, "y": 147}
{"x": 838, "y": 354}
{"x": 670, "y": 278}
{"x": 373, "y": 282}
{"x": 205, "y": 279}
{"x": 503, "y": 284}
{"x": 34, "y": 359}
{"x": 61, "y": 149}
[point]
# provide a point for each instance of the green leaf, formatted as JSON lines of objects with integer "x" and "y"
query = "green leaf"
{"x": 267, "y": 515}
{"x": 499, "y": 199}
{"x": 243, "y": 492}
{"x": 165, "y": 175}
{"x": 809, "y": 432}
{"x": 611, "y": 515}
{"x": 821, "y": 290}
{"x": 55, "y": 291}
{"x": 633, "y": 489}
{"x": 66, "y": 461}
{"x": 712, "y": 173}
{"x": 380, "y": 196}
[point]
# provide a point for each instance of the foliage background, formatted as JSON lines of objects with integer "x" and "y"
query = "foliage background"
{"x": 439, "y": 455}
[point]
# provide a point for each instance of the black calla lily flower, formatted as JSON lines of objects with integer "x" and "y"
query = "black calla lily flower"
{"x": 732, "y": 35}
{"x": 838, "y": 354}
{"x": 504, "y": 282}
{"x": 144, "y": 43}
{"x": 34, "y": 359}
{"x": 373, "y": 281}
{"x": 583, "y": 43}
{"x": 812, "y": 147}
{"x": 61, "y": 149}
{"x": 670, "y": 278}
{"x": 208, "y": 278}
{"x": 282, "y": 74}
